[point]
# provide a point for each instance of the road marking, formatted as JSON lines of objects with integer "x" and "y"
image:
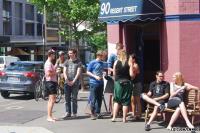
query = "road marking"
{"x": 14, "y": 103}
{"x": 14, "y": 107}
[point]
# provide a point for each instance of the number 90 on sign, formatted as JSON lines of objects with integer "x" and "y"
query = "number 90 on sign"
{"x": 105, "y": 8}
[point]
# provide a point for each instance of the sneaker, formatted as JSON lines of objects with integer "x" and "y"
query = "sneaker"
{"x": 147, "y": 127}
{"x": 74, "y": 115}
{"x": 67, "y": 116}
{"x": 93, "y": 117}
{"x": 162, "y": 108}
{"x": 99, "y": 116}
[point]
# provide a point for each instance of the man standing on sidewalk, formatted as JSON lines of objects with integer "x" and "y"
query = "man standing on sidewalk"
{"x": 72, "y": 71}
{"x": 95, "y": 73}
{"x": 51, "y": 83}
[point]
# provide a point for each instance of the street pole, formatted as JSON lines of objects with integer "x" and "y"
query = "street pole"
{"x": 44, "y": 33}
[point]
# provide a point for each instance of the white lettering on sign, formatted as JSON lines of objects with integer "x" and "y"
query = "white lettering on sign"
{"x": 116, "y": 10}
{"x": 130, "y": 9}
{"x": 106, "y": 9}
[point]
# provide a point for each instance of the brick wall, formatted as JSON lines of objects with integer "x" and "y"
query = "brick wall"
{"x": 173, "y": 7}
{"x": 180, "y": 41}
{"x": 189, "y": 51}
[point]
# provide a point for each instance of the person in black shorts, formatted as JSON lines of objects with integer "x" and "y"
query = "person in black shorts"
{"x": 158, "y": 95}
{"x": 51, "y": 83}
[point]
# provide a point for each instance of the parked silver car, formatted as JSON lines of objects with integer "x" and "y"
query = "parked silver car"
{"x": 20, "y": 77}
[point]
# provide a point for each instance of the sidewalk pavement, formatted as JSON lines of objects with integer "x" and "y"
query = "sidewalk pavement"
{"x": 23, "y": 129}
{"x": 81, "y": 124}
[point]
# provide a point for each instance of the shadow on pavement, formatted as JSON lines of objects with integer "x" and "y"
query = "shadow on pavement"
{"x": 21, "y": 97}
{"x": 74, "y": 118}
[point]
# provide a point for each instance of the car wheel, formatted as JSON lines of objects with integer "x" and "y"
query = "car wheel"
{"x": 5, "y": 94}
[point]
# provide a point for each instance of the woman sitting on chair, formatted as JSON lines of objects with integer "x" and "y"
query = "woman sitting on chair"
{"x": 177, "y": 90}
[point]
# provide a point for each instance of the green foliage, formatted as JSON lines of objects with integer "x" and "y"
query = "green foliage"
{"x": 98, "y": 41}
{"x": 71, "y": 14}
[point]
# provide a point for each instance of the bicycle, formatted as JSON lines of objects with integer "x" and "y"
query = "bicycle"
{"x": 40, "y": 91}
{"x": 60, "y": 87}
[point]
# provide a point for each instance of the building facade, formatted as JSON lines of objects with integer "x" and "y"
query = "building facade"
{"x": 164, "y": 34}
{"x": 21, "y": 31}
{"x": 21, "y": 24}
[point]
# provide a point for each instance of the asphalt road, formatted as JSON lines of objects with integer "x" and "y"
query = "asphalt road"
{"x": 20, "y": 114}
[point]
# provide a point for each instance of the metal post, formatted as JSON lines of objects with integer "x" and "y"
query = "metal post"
{"x": 44, "y": 33}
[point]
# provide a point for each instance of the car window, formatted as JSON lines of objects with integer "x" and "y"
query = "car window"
{"x": 38, "y": 66}
{"x": 1, "y": 60}
{"x": 22, "y": 67}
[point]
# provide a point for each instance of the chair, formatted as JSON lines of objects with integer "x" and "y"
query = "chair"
{"x": 192, "y": 103}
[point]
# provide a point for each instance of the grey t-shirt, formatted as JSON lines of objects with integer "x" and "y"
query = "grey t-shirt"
{"x": 71, "y": 68}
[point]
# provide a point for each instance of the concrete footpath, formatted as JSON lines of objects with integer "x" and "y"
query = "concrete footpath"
{"x": 23, "y": 129}
{"x": 31, "y": 118}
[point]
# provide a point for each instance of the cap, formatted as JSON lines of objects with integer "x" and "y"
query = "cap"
{"x": 60, "y": 53}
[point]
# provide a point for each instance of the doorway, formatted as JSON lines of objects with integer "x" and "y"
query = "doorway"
{"x": 144, "y": 40}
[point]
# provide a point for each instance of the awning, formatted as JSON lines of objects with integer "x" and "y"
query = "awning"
{"x": 113, "y": 11}
{"x": 17, "y": 51}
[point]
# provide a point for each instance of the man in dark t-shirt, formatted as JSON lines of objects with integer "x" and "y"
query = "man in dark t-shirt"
{"x": 72, "y": 71}
{"x": 157, "y": 95}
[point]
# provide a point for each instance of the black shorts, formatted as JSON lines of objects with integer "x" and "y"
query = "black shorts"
{"x": 51, "y": 87}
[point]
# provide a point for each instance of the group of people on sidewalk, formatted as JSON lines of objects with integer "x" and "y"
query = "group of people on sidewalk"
{"x": 123, "y": 75}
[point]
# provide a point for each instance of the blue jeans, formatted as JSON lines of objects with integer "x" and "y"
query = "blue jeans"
{"x": 96, "y": 94}
{"x": 71, "y": 93}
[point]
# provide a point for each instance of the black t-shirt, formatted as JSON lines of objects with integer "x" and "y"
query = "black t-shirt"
{"x": 159, "y": 89}
{"x": 122, "y": 71}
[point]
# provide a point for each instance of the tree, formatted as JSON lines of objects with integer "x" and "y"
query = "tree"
{"x": 97, "y": 41}
{"x": 71, "y": 14}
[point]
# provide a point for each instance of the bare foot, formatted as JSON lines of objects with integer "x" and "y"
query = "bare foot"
{"x": 54, "y": 118}
{"x": 51, "y": 120}
{"x": 189, "y": 125}
{"x": 169, "y": 128}
{"x": 113, "y": 120}
{"x": 124, "y": 120}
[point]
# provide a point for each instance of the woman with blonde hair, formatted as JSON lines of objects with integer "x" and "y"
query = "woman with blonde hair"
{"x": 177, "y": 90}
{"x": 122, "y": 85}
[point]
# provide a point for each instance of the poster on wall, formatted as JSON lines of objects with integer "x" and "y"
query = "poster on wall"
{"x": 111, "y": 48}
